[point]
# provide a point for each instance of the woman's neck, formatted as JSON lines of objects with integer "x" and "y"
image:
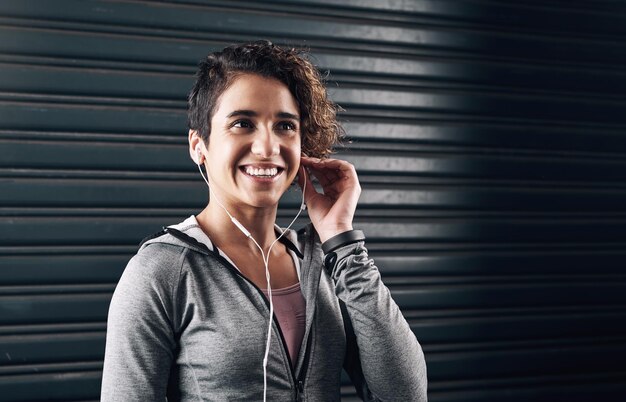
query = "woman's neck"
{"x": 221, "y": 230}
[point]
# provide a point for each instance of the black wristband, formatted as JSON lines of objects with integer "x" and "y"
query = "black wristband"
{"x": 351, "y": 236}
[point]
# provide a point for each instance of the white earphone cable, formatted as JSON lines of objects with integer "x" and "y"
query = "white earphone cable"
{"x": 266, "y": 263}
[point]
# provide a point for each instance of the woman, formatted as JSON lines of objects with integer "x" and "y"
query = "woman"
{"x": 190, "y": 317}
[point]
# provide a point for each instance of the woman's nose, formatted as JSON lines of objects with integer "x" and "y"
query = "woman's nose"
{"x": 265, "y": 143}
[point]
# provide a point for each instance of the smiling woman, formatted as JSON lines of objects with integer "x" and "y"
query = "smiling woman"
{"x": 255, "y": 127}
{"x": 193, "y": 316}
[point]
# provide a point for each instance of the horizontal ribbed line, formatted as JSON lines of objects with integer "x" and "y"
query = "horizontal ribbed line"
{"x": 573, "y": 7}
{"x": 366, "y": 86}
{"x": 484, "y": 28}
{"x": 433, "y": 350}
{"x": 414, "y": 317}
{"x": 361, "y": 128}
{"x": 523, "y": 383}
{"x": 52, "y": 337}
{"x": 418, "y": 84}
{"x": 424, "y": 8}
{"x": 366, "y": 69}
{"x": 370, "y": 180}
{"x": 423, "y": 115}
{"x": 41, "y": 369}
{"x": 382, "y": 223}
{"x": 93, "y": 102}
{"x": 373, "y": 245}
{"x": 399, "y": 113}
{"x": 148, "y": 67}
{"x": 69, "y": 250}
{"x": 365, "y": 211}
{"x": 397, "y": 248}
{"x": 360, "y": 145}
{"x": 415, "y": 148}
{"x": 484, "y": 345}
{"x": 133, "y": 65}
{"x": 472, "y": 350}
{"x": 322, "y": 11}
{"x": 89, "y": 137}
{"x": 64, "y": 290}
{"x": 216, "y": 36}
{"x": 433, "y": 315}
{"x": 57, "y": 329}
{"x": 433, "y": 123}
{"x": 521, "y": 345}
{"x": 370, "y": 183}
{"x": 369, "y": 216}
{"x": 408, "y": 14}
{"x": 435, "y": 353}
{"x": 148, "y": 176}
{"x": 157, "y": 213}
{"x": 521, "y": 288}
{"x": 347, "y": 44}
{"x": 557, "y": 5}
{"x": 39, "y": 298}
{"x": 410, "y": 281}
{"x": 388, "y": 113}
{"x": 426, "y": 113}
{"x": 389, "y": 249}
{"x": 99, "y": 107}
{"x": 331, "y": 12}
{"x": 414, "y": 87}
{"x": 358, "y": 148}
{"x": 394, "y": 283}
{"x": 425, "y": 181}
{"x": 469, "y": 90}
{"x": 430, "y": 267}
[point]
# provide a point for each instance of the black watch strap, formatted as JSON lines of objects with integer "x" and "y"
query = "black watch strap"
{"x": 351, "y": 236}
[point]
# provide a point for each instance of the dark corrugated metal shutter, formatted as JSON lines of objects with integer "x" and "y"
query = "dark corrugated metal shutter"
{"x": 488, "y": 138}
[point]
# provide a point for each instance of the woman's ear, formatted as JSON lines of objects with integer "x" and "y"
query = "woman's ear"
{"x": 195, "y": 147}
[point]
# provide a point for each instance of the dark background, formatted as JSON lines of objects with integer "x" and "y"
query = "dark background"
{"x": 488, "y": 137}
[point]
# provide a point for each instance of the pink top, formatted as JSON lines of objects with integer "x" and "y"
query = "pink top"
{"x": 290, "y": 310}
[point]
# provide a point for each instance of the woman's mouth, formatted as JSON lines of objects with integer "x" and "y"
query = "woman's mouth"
{"x": 263, "y": 175}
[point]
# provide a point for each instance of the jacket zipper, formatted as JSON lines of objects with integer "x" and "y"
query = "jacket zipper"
{"x": 305, "y": 363}
{"x": 298, "y": 382}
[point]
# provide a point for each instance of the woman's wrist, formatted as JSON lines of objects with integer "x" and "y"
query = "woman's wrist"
{"x": 341, "y": 239}
{"x": 329, "y": 233}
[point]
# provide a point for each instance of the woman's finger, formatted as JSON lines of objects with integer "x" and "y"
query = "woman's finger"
{"x": 324, "y": 176}
{"x": 333, "y": 168}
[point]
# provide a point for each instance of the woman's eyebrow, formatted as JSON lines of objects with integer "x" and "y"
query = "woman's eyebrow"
{"x": 252, "y": 113}
{"x": 247, "y": 113}
{"x": 285, "y": 115}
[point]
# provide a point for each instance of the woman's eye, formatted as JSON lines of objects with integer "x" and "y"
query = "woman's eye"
{"x": 286, "y": 125}
{"x": 242, "y": 124}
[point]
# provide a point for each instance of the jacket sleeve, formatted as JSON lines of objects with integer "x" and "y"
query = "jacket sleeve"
{"x": 383, "y": 359}
{"x": 140, "y": 341}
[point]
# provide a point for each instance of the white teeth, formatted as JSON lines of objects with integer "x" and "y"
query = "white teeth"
{"x": 261, "y": 172}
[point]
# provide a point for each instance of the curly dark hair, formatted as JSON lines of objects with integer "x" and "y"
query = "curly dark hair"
{"x": 320, "y": 129}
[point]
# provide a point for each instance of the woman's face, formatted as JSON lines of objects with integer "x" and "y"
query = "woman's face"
{"x": 254, "y": 147}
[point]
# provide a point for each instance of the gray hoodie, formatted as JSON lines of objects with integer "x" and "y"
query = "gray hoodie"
{"x": 186, "y": 325}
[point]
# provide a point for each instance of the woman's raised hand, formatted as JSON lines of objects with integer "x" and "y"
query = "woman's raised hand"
{"x": 331, "y": 212}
